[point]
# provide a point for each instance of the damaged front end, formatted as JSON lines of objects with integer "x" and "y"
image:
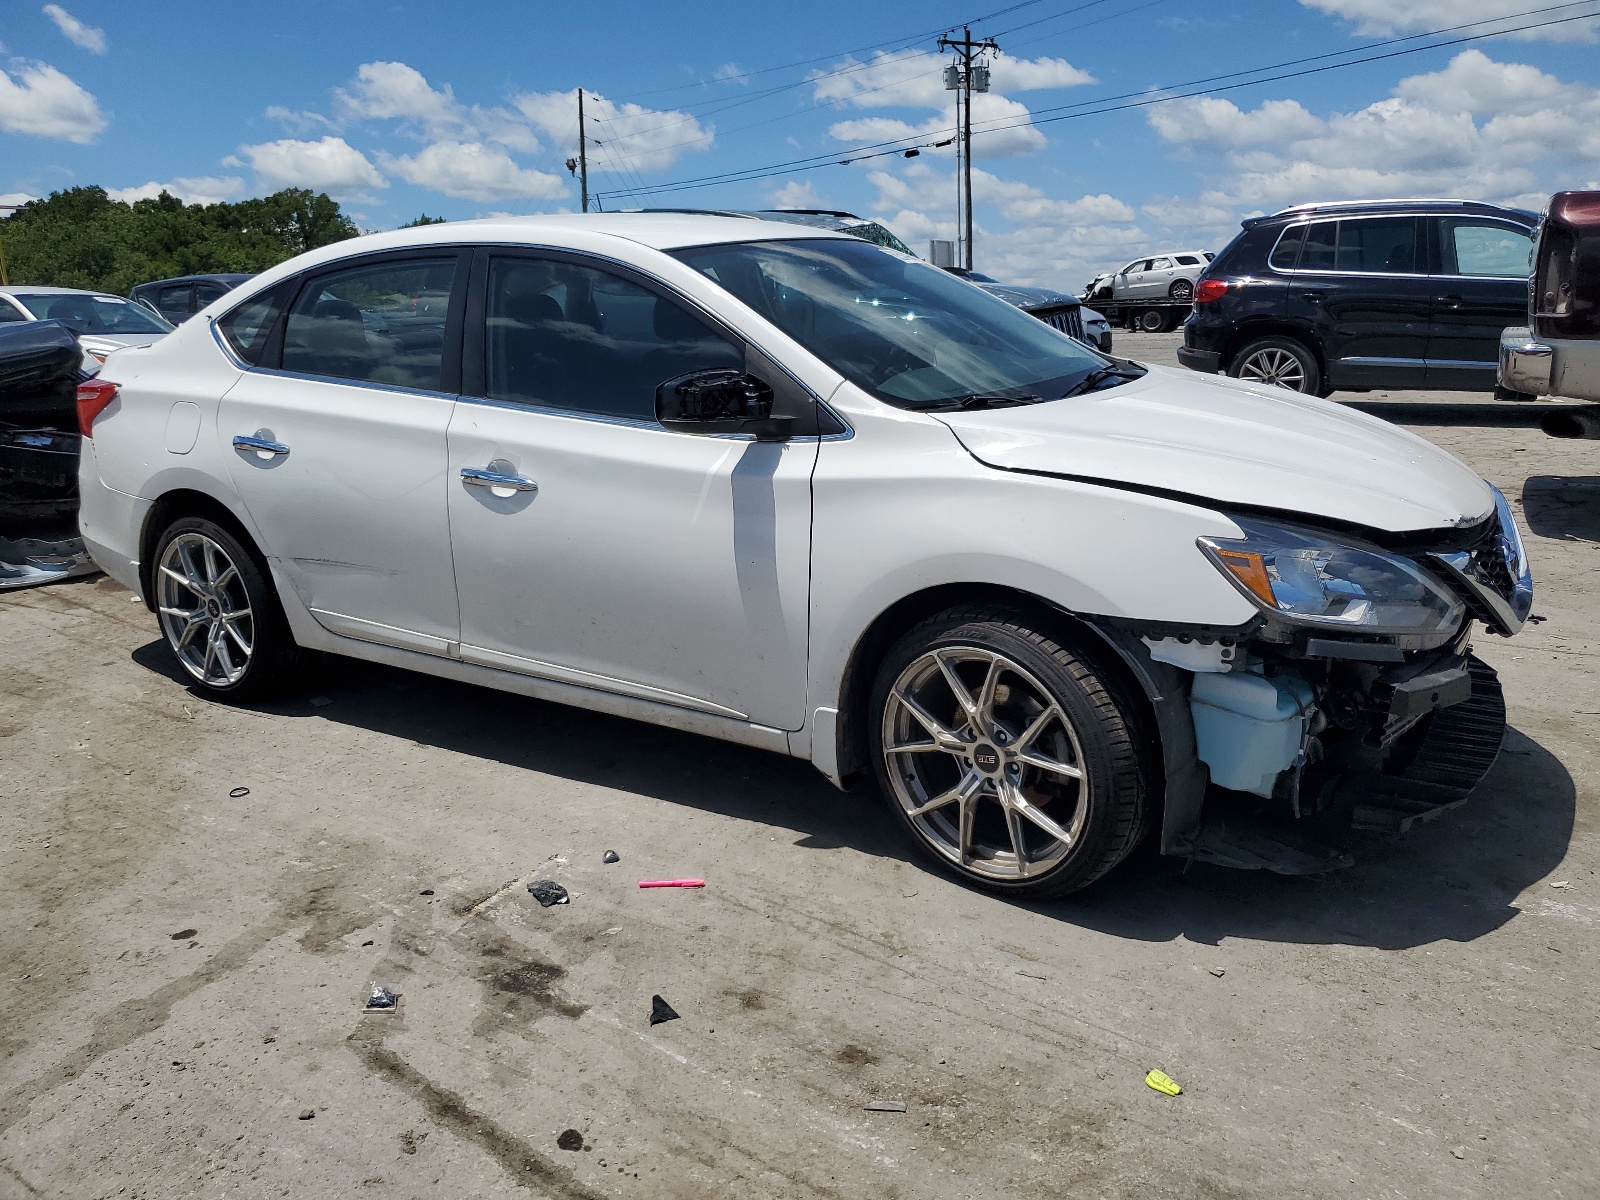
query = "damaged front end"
{"x": 1353, "y": 699}
{"x": 40, "y": 369}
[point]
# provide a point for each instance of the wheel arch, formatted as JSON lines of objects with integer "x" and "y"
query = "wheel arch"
{"x": 173, "y": 506}
{"x": 1105, "y": 652}
{"x": 1261, "y": 327}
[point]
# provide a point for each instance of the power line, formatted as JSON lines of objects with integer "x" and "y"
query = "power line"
{"x": 899, "y": 145}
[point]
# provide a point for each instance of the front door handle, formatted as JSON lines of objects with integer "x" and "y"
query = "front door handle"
{"x": 260, "y": 445}
{"x": 1314, "y": 297}
{"x": 1451, "y": 301}
{"x": 474, "y": 477}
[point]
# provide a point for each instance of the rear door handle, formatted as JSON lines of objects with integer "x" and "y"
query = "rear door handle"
{"x": 261, "y": 446}
{"x": 1314, "y": 297}
{"x": 1451, "y": 301}
{"x": 474, "y": 477}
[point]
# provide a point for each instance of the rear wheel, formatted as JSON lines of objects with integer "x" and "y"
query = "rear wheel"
{"x": 1280, "y": 361}
{"x": 219, "y": 613}
{"x": 1182, "y": 291}
{"x": 1154, "y": 320}
{"x": 1009, "y": 758}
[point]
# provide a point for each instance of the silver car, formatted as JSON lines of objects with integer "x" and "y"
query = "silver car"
{"x": 1168, "y": 276}
{"x": 102, "y": 322}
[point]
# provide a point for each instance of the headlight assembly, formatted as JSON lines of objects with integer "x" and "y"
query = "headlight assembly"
{"x": 1311, "y": 578}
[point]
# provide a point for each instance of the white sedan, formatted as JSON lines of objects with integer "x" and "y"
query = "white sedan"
{"x": 102, "y": 322}
{"x": 792, "y": 489}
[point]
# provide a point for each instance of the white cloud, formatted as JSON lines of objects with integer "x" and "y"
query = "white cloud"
{"x": 40, "y": 100}
{"x": 473, "y": 171}
{"x": 1382, "y": 17}
{"x": 8, "y": 199}
{"x": 397, "y": 92}
{"x": 330, "y": 165}
{"x": 203, "y": 190}
{"x": 629, "y": 136}
{"x": 75, "y": 31}
{"x": 1478, "y": 129}
{"x": 303, "y": 121}
{"x": 1013, "y": 138}
{"x": 796, "y": 193}
{"x": 732, "y": 73}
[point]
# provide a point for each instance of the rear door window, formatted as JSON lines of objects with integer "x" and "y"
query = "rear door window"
{"x": 1379, "y": 245}
{"x": 205, "y": 293}
{"x": 566, "y": 336}
{"x": 378, "y": 323}
{"x": 1485, "y": 249}
{"x": 172, "y": 302}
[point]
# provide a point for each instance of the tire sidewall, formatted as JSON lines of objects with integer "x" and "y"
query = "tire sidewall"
{"x": 1181, "y": 291}
{"x": 1085, "y": 862}
{"x": 1309, "y": 366}
{"x": 268, "y": 627}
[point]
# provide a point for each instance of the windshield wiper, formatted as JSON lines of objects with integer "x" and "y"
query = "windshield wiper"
{"x": 1091, "y": 381}
{"x": 975, "y": 401}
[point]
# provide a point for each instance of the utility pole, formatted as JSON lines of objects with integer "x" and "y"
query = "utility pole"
{"x": 580, "y": 166}
{"x": 965, "y": 76}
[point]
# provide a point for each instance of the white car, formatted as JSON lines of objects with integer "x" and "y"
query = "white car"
{"x": 1169, "y": 276}
{"x": 102, "y": 322}
{"x": 790, "y": 489}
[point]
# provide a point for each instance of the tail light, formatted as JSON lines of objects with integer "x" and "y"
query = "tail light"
{"x": 1210, "y": 289}
{"x": 93, "y": 397}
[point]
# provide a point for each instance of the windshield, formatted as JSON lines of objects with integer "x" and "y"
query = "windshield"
{"x": 85, "y": 312}
{"x": 909, "y": 333}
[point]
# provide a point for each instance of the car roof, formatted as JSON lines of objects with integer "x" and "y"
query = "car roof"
{"x": 27, "y": 289}
{"x": 1401, "y": 206}
{"x": 219, "y": 276}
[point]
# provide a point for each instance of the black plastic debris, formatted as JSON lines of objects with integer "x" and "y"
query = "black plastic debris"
{"x": 885, "y": 1106}
{"x": 661, "y": 1011}
{"x": 425, "y": 892}
{"x": 570, "y": 1139}
{"x": 611, "y": 856}
{"x": 306, "y": 1114}
{"x": 239, "y": 793}
{"x": 547, "y": 892}
{"x": 183, "y": 935}
{"x": 381, "y": 999}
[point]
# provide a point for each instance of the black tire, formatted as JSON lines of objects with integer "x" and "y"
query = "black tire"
{"x": 262, "y": 636}
{"x": 1182, "y": 291}
{"x": 1266, "y": 360}
{"x": 1099, "y": 734}
{"x": 1505, "y": 393}
{"x": 1154, "y": 320}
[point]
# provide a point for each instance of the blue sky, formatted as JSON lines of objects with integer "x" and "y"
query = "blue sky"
{"x": 467, "y": 109}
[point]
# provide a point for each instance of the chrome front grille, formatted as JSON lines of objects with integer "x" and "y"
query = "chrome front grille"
{"x": 1068, "y": 320}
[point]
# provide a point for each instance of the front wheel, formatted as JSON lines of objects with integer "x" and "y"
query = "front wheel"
{"x": 219, "y": 614}
{"x": 1154, "y": 320}
{"x": 1281, "y": 362}
{"x": 1009, "y": 758}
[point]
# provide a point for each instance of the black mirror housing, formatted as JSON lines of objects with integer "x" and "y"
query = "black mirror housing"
{"x": 721, "y": 401}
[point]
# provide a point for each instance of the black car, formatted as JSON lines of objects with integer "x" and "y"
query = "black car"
{"x": 179, "y": 299}
{"x": 1365, "y": 294}
{"x": 1056, "y": 309}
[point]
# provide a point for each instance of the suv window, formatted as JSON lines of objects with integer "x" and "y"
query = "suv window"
{"x": 376, "y": 323}
{"x": 9, "y": 312}
{"x": 571, "y": 337}
{"x": 1384, "y": 245}
{"x": 1480, "y": 248}
{"x": 1321, "y": 246}
{"x": 249, "y": 327}
{"x": 205, "y": 293}
{"x": 1188, "y": 260}
{"x": 173, "y": 301}
{"x": 1287, "y": 250}
{"x": 1160, "y": 264}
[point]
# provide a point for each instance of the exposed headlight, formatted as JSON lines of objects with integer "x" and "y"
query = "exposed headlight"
{"x": 1311, "y": 578}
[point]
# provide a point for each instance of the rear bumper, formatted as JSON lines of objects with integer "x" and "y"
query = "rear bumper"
{"x": 1526, "y": 365}
{"x": 1208, "y": 361}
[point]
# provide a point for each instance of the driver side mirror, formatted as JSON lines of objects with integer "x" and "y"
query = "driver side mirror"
{"x": 721, "y": 401}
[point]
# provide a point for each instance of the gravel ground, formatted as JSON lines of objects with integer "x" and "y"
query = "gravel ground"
{"x": 183, "y": 969}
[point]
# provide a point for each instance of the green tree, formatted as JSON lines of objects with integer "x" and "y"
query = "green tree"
{"x": 82, "y": 238}
{"x": 424, "y": 219}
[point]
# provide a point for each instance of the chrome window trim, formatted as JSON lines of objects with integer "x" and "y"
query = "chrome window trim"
{"x": 1504, "y": 222}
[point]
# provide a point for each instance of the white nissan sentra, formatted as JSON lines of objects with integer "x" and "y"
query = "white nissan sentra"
{"x": 795, "y": 490}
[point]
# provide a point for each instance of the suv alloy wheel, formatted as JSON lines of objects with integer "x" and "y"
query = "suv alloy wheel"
{"x": 1280, "y": 361}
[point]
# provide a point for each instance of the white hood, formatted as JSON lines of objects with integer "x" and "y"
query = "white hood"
{"x": 1236, "y": 444}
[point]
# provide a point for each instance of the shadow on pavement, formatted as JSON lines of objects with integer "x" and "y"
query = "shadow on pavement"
{"x": 1563, "y": 506}
{"x": 1453, "y": 880}
{"x": 1487, "y": 414}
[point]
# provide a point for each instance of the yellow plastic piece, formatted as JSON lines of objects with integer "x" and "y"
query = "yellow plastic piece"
{"x": 1162, "y": 1082}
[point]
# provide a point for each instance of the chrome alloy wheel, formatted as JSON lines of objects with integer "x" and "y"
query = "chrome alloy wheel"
{"x": 984, "y": 763}
{"x": 205, "y": 611}
{"x": 1274, "y": 365}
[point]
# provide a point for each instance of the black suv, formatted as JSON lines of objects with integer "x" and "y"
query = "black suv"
{"x": 1365, "y": 294}
{"x": 179, "y": 299}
